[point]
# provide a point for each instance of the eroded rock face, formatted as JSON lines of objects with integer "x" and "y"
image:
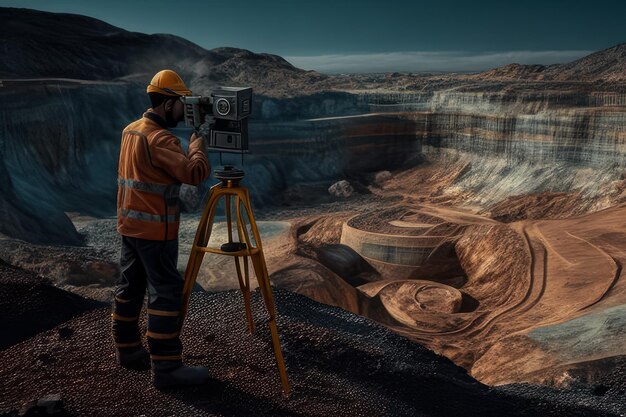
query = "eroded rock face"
{"x": 505, "y": 138}
{"x": 68, "y": 162}
{"x": 318, "y": 283}
{"x": 520, "y": 141}
{"x": 39, "y": 223}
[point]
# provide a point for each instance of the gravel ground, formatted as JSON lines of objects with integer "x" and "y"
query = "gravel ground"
{"x": 95, "y": 266}
{"x": 338, "y": 364}
{"x": 361, "y": 203}
{"x": 30, "y": 305}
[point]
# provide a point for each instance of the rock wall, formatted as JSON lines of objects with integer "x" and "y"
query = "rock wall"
{"x": 527, "y": 142}
{"x": 59, "y": 141}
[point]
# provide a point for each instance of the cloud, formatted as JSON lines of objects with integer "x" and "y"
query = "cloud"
{"x": 428, "y": 61}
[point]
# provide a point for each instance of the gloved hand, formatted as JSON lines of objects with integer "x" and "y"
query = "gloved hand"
{"x": 204, "y": 130}
{"x": 194, "y": 137}
{"x": 198, "y": 137}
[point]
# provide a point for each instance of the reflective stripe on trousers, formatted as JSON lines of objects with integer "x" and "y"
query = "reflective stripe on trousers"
{"x": 152, "y": 265}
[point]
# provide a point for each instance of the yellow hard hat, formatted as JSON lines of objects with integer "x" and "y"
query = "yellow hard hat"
{"x": 169, "y": 83}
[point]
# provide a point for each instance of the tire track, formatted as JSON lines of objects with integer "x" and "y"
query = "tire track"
{"x": 521, "y": 306}
{"x": 616, "y": 275}
{"x": 525, "y": 303}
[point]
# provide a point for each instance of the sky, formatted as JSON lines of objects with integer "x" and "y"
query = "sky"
{"x": 374, "y": 36}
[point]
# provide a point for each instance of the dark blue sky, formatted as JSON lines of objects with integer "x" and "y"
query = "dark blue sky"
{"x": 321, "y": 34}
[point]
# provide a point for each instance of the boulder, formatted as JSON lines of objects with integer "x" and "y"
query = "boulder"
{"x": 190, "y": 197}
{"x": 381, "y": 177}
{"x": 341, "y": 189}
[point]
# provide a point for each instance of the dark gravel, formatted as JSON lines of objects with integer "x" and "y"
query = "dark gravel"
{"x": 30, "y": 305}
{"x": 339, "y": 364}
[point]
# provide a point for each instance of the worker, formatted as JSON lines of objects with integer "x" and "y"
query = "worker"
{"x": 152, "y": 166}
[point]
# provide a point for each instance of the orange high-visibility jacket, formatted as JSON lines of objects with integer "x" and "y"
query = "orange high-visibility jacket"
{"x": 151, "y": 168}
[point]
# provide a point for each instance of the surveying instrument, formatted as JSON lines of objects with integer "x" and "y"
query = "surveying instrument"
{"x": 230, "y": 107}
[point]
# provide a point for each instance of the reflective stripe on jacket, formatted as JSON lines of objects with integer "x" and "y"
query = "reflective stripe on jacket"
{"x": 152, "y": 166}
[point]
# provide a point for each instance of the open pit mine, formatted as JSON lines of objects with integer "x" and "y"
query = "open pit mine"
{"x": 481, "y": 216}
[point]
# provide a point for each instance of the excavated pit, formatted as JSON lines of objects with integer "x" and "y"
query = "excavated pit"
{"x": 415, "y": 291}
{"x": 530, "y": 291}
{"x": 405, "y": 243}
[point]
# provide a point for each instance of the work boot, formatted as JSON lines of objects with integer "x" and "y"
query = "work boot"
{"x": 172, "y": 373}
{"x": 137, "y": 359}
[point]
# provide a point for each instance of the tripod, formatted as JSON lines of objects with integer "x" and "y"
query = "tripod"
{"x": 229, "y": 187}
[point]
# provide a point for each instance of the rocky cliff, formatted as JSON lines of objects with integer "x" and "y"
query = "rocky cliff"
{"x": 528, "y": 141}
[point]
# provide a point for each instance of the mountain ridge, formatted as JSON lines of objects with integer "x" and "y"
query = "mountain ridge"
{"x": 605, "y": 65}
{"x": 86, "y": 48}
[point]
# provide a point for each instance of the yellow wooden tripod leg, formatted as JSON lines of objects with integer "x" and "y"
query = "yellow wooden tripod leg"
{"x": 245, "y": 290}
{"x": 266, "y": 291}
{"x": 203, "y": 234}
{"x": 201, "y": 240}
{"x": 245, "y": 286}
{"x": 260, "y": 270}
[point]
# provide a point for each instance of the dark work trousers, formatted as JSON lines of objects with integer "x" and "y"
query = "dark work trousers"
{"x": 149, "y": 264}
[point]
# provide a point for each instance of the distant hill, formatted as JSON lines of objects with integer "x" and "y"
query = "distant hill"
{"x": 607, "y": 65}
{"x": 38, "y": 44}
